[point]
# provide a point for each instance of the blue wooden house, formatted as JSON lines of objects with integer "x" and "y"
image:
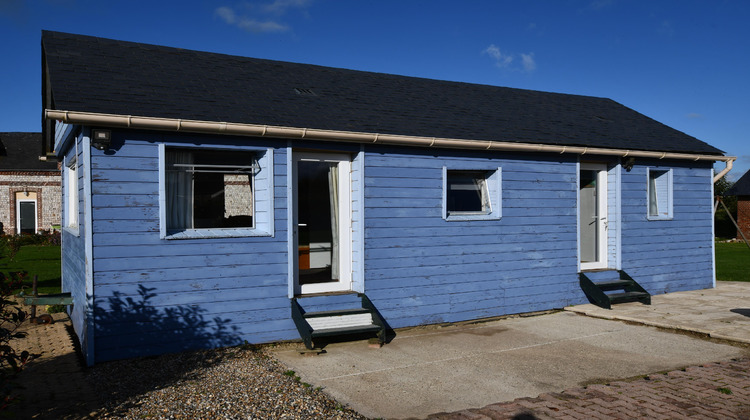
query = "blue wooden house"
{"x": 213, "y": 199}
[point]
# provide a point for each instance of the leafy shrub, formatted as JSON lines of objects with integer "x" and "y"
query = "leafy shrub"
{"x": 56, "y": 309}
{"x": 10, "y": 244}
{"x": 724, "y": 228}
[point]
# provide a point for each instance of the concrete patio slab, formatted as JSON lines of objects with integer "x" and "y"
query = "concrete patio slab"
{"x": 455, "y": 367}
{"x": 722, "y": 312}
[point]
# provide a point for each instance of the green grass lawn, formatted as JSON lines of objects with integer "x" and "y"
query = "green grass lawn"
{"x": 40, "y": 260}
{"x": 732, "y": 261}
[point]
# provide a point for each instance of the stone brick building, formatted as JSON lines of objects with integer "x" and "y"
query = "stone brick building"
{"x": 30, "y": 192}
{"x": 741, "y": 189}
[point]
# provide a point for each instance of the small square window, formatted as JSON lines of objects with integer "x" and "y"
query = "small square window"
{"x": 472, "y": 194}
{"x": 467, "y": 193}
{"x": 210, "y": 190}
{"x": 659, "y": 194}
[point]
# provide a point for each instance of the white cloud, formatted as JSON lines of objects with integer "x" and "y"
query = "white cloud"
{"x": 528, "y": 62}
{"x": 257, "y": 20}
{"x": 226, "y": 14}
{"x": 501, "y": 60}
{"x": 505, "y": 61}
{"x": 247, "y": 23}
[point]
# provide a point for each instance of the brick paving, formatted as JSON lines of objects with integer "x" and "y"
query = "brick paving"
{"x": 713, "y": 391}
{"x": 54, "y": 385}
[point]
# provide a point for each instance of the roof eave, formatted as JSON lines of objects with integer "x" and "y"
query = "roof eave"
{"x": 259, "y": 130}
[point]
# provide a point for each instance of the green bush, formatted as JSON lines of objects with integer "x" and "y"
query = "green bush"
{"x": 724, "y": 228}
{"x": 11, "y": 244}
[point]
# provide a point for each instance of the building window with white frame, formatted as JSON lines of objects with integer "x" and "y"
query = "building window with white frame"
{"x": 209, "y": 189}
{"x": 659, "y": 194}
{"x": 471, "y": 194}
{"x": 71, "y": 194}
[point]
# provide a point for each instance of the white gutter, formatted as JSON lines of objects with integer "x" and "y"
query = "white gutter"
{"x": 257, "y": 130}
{"x": 726, "y": 170}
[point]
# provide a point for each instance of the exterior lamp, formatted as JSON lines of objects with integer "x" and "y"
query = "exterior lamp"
{"x": 101, "y": 139}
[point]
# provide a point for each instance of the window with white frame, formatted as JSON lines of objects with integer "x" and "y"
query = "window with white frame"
{"x": 659, "y": 194}
{"x": 71, "y": 195}
{"x": 209, "y": 189}
{"x": 216, "y": 193}
{"x": 471, "y": 194}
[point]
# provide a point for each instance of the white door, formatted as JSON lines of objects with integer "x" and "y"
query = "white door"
{"x": 322, "y": 222}
{"x": 592, "y": 223}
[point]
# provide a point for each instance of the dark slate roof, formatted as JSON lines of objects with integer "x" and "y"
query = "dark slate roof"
{"x": 741, "y": 187}
{"x": 21, "y": 151}
{"x": 115, "y": 77}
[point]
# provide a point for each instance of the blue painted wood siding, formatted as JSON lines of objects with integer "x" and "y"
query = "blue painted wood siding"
{"x": 669, "y": 255}
{"x": 155, "y": 295}
{"x": 421, "y": 269}
{"x": 73, "y": 256}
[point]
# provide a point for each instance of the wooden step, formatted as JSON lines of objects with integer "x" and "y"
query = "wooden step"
{"x": 340, "y": 321}
{"x": 627, "y": 297}
{"x": 613, "y": 284}
{"x": 337, "y": 312}
{"x": 631, "y": 291}
{"x": 346, "y": 330}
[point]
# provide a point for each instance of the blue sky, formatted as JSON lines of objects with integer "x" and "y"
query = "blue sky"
{"x": 685, "y": 63}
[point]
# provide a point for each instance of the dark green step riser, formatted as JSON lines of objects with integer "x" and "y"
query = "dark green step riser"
{"x": 627, "y": 300}
{"x": 340, "y": 312}
{"x": 614, "y": 284}
{"x": 628, "y": 297}
{"x": 344, "y": 331}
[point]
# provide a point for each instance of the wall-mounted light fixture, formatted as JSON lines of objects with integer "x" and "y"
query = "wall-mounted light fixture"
{"x": 101, "y": 139}
{"x": 628, "y": 164}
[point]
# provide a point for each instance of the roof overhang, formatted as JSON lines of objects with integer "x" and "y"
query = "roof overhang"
{"x": 258, "y": 130}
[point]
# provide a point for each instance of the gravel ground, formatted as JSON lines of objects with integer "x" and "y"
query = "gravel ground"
{"x": 231, "y": 383}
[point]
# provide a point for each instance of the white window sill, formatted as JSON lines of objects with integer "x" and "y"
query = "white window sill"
{"x": 73, "y": 230}
{"x": 471, "y": 216}
{"x": 216, "y": 233}
{"x": 659, "y": 217}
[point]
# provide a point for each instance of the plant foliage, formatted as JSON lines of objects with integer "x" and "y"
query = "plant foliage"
{"x": 11, "y": 244}
{"x": 723, "y": 225}
{"x": 11, "y": 317}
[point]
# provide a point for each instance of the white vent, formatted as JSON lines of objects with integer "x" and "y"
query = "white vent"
{"x": 304, "y": 92}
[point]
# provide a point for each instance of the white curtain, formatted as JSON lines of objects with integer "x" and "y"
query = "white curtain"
{"x": 333, "y": 187}
{"x": 480, "y": 184}
{"x": 179, "y": 190}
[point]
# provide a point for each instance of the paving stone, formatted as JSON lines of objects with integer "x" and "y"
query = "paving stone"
{"x": 667, "y": 396}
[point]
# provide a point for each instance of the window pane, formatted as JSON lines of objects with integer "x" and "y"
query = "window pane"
{"x": 653, "y": 203}
{"x": 658, "y": 193}
{"x": 467, "y": 192}
{"x": 71, "y": 195}
{"x": 209, "y": 189}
